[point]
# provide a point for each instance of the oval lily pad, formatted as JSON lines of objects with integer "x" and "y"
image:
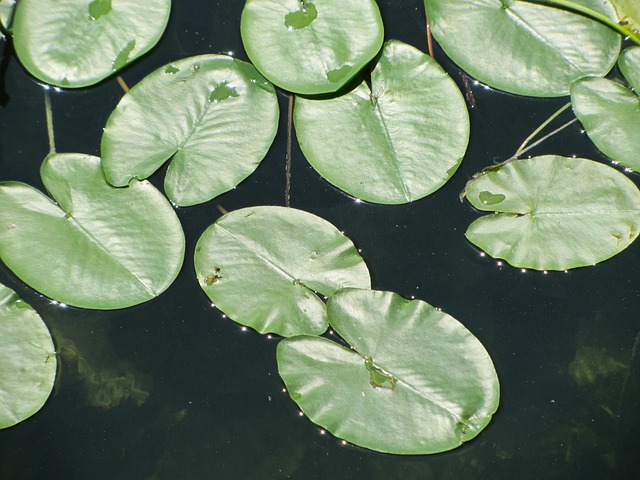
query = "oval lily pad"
{"x": 395, "y": 142}
{"x": 262, "y": 266}
{"x": 76, "y": 43}
{"x": 554, "y": 213}
{"x": 629, "y": 63}
{"x": 99, "y": 246}
{"x": 27, "y": 360}
{"x": 217, "y": 116}
{"x": 415, "y": 381}
{"x": 610, "y": 114}
{"x": 311, "y": 47}
{"x": 524, "y": 47}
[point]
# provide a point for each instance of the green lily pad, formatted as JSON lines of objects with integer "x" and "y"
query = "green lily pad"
{"x": 98, "y": 247}
{"x": 415, "y": 381}
{"x": 27, "y": 360}
{"x": 7, "y": 8}
{"x": 311, "y": 47}
{"x": 629, "y": 13}
{"x": 395, "y": 142}
{"x": 610, "y": 114}
{"x": 215, "y": 115}
{"x": 76, "y": 43}
{"x": 629, "y": 63}
{"x": 523, "y": 47}
{"x": 262, "y": 266}
{"x": 554, "y": 213}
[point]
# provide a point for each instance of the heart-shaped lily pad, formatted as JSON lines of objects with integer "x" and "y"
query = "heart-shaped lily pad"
{"x": 99, "y": 246}
{"x": 215, "y": 115}
{"x": 415, "y": 381}
{"x": 27, "y": 360}
{"x": 554, "y": 213}
{"x": 263, "y": 267}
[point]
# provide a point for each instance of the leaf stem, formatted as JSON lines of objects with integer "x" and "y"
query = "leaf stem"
{"x": 593, "y": 14}
{"x": 49, "y": 116}
{"x": 540, "y": 128}
{"x": 538, "y": 142}
{"x": 429, "y": 37}
{"x": 287, "y": 165}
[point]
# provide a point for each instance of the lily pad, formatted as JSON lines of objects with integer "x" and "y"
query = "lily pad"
{"x": 76, "y": 43}
{"x": 629, "y": 13}
{"x": 554, "y": 213}
{"x": 27, "y": 360}
{"x": 311, "y": 47}
{"x": 215, "y": 115}
{"x": 610, "y": 114}
{"x": 263, "y": 267}
{"x": 523, "y": 47}
{"x": 98, "y": 247}
{"x": 629, "y": 63}
{"x": 415, "y": 381}
{"x": 394, "y": 142}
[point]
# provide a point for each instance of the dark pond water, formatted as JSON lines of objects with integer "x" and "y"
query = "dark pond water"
{"x": 204, "y": 396}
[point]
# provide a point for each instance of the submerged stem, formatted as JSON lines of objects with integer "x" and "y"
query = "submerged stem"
{"x": 593, "y": 14}
{"x": 540, "y": 128}
{"x": 287, "y": 165}
{"x": 429, "y": 38}
{"x": 49, "y": 116}
{"x": 538, "y": 142}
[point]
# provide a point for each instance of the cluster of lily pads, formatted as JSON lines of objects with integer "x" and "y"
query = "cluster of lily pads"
{"x": 410, "y": 379}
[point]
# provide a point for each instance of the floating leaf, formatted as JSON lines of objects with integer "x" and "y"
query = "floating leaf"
{"x": 217, "y": 116}
{"x": 629, "y": 63}
{"x": 395, "y": 142}
{"x": 523, "y": 47}
{"x": 262, "y": 266}
{"x": 75, "y": 43}
{"x": 99, "y": 246}
{"x": 311, "y": 47}
{"x": 629, "y": 13}
{"x": 27, "y": 360}
{"x": 416, "y": 381}
{"x": 610, "y": 114}
{"x": 555, "y": 213}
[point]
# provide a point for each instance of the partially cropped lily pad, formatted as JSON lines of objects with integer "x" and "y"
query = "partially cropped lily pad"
{"x": 415, "y": 381}
{"x": 395, "y": 142}
{"x": 264, "y": 266}
{"x": 27, "y": 360}
{"x": 215, "y": 116}
{"x": 75, "y": 43}
{"x": 98, "y": 246}
{"x": 524, "y": 47}
{"x": 610, "y": 114}
{"x": 311, "y": 47}
{"x": 554, "y": 213}
{"x": 629, "y": 63}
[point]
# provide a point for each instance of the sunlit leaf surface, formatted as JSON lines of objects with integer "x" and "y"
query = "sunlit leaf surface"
{"x": 554, "y": 213}
{"x": 610, "y": 112}
{"x": 75, "y": 43}
{"x": 394, "y": 142}
{"x": 98, "y": 246}
{"x": 27, "y": 360}
{"x": 416, "y": 381}
{"x": 215, "y": 116}
{"x": 522, "y": 47}
{"x": 311, "y": 47}
{"x": 263, "y": 267}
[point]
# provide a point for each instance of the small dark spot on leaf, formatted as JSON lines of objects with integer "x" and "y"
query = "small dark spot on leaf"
{"x": 488, "y": 198}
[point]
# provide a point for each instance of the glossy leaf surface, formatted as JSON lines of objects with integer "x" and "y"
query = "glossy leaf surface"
{"x": 98, "y": 246}
{"x": 610, "y": 113}
{"x": 554, "y": 213}
{"x": 27, "y": 360}
{"x": 215, "y": 115}
{"x": 311, "y": 47}
{"x": 522, "y": 47}
{"x": 262, "y": 266}
{"x": 416, "y": 381}
{"x": 395, "y": 142}
{"x": 76, "y": 43}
